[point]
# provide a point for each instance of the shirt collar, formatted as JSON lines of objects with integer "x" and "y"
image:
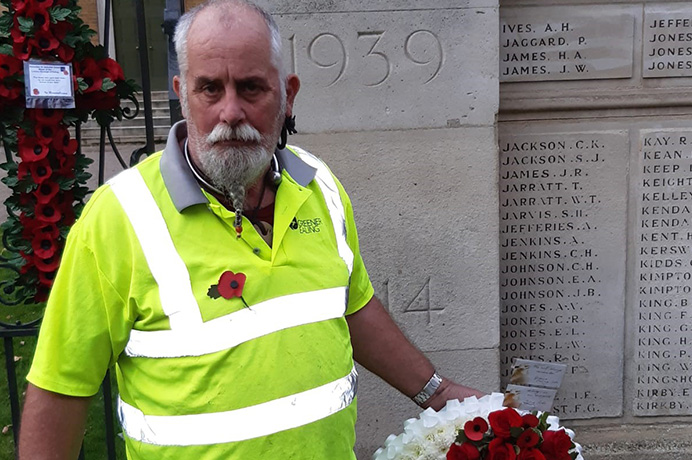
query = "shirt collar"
{"x": 182, "y": 185}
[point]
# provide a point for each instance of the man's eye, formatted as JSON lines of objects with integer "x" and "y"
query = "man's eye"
{"x": 210, "y": 89}
{"x": 251, "y": 87}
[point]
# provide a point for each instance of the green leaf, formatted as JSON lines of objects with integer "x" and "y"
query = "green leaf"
{"x": 516, "y": 431}
{"x": 6, "y": 48}
{"x": 6, "y": 20}
{"x": 59, "y": 13}
{"x": 107, "y": 84}
{"x": 10, "y": 181}
{"x": 82, "y": 85}
{"x": 25, "y": 24}
{"x": 10, "y": 167}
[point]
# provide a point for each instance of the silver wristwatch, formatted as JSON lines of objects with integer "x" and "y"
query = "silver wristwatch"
{"x": 428, "y": 390}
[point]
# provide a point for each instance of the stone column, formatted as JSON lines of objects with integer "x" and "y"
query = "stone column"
{"x": 400, "y": 99}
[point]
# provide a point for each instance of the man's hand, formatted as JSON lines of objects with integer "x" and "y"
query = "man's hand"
{"x": 381, "y": 347}
{"x": 52, "y": 425}
{"x": 450, "y": 390}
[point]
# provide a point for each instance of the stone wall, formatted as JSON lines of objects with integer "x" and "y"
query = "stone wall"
{"x": 400, "y": 98}
{"x": 595, "y": 208}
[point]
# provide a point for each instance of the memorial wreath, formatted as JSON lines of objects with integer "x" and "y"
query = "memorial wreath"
{"x": 48, "y": 179}
{"x": 481, "y": 429}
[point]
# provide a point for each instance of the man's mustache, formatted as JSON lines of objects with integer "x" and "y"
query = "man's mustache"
{"x": 224, "y": 133}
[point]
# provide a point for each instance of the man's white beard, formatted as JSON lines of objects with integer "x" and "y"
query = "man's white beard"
{"x": 231, "y": 169}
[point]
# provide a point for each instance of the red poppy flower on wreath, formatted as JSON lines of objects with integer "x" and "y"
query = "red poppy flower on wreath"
{"x": 44, "y": 246}
{"x": 10, "y": 66}
{"x": 64, "y": 52}
{"x": 67, "y": 164}
{"x": 45, "y": 192}
{"x": 464, "y": 451}
{"x": 531, "y": 454}
{"x": 32, "y": 150}
{"x": 529, "y": 438}
{"x": 47, "y": 213}
{"x": 49, "y": 264}
{"x": 38, "y": 12}
{"x": 62, "y": 142}
{"x": 503, "y": 421}
{"x": 498, "y": 449}
{"x": 44, "y": 132}
{"x": 60, "y": 30}
{"x": 49, "y": 117}
{"x": 46, "y": 278}
{"x": 44, "y": 42}
{"x": 556, "y": 445}
{"x": 20, "y": 5}
{"x": 22, "y": 49}
{"x": 90, "y": 71}
{"x": 529, "y": 421}
{"x": 111, "y": 69}
{"x": 40, "y": 170}
{"x": 475, "y": 429}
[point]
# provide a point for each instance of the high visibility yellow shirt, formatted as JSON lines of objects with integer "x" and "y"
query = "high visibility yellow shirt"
{"x": 266, "y": 376}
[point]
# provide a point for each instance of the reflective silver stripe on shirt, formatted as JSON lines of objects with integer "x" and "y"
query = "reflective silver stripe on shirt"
{"x": 332, "y": 198}
{"x": 166, "y": 266}
{"x": 241, "y": 326}
{"x": 240, "y": 424}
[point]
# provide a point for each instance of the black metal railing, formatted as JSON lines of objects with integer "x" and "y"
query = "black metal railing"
{"x": 11, "y": 331}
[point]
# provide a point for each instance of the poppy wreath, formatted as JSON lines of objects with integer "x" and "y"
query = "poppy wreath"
{"x": 45, "y": 168}
{"x": 481, "y": 429}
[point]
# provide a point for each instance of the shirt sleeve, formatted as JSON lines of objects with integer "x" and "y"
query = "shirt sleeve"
{"x": 360, "y": 290}
{"x": 85, "y": 326}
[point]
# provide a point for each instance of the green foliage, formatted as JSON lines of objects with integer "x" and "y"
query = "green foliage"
{"x": 82, "y": 85}
{"x": 59, "y": 13}
{"x": 26, "y": 25}
{"x": 107, "y": 85}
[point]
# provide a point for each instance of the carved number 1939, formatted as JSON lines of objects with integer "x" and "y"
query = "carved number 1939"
{"x": 421, "y": 47}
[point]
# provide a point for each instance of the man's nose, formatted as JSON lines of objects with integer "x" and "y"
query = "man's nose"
{"x": 232, "y": 110}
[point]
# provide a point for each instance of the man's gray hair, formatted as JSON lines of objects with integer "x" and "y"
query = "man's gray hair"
{"x": 183, "y": 29}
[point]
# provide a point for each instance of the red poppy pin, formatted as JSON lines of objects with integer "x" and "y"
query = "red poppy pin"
{"x": 230, "y": 285}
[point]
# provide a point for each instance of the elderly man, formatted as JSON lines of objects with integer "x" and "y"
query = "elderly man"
{"x": 222, "y": 278}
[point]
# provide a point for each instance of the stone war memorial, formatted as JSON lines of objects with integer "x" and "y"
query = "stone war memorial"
{"x": 521, "y": 176}
{"x": 522, "y": 179}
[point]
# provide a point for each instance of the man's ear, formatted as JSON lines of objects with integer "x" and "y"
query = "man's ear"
{"x": 292, "y": 88}
{"x": 177, "y": 88}
{"x": 176, "y": 85}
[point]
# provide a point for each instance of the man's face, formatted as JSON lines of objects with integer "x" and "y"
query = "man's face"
{"x": 231, "y": 82}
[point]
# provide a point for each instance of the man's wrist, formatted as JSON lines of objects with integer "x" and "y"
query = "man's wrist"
{"x": 429, "y": 389}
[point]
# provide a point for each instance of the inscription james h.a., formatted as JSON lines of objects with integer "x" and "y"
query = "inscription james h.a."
{"x": 549, "y": 43}
{"x": 557, "y": 255}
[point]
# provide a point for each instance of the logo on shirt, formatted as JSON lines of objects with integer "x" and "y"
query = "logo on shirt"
{"x": 306, "y": 225}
